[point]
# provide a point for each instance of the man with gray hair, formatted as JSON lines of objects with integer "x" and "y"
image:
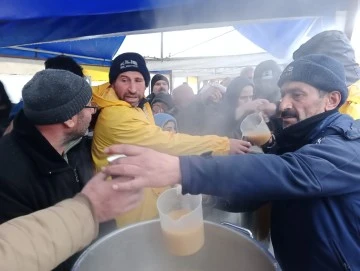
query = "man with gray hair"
{"x": 46, "y": 158}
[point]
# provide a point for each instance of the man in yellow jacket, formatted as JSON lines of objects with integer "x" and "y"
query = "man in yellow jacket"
{"x": 126, "y": 118}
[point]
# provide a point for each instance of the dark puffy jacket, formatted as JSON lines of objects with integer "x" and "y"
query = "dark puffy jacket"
{"x": 315, "y": 194}
{"x": 335, "y": 44}
{"x": 34, "y": 176}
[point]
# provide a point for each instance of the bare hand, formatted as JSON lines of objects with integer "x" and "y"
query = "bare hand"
{"x": 142, "y": 167}
{"x": 254, "y": 106}
{"x": 212, "y": 93}
{"x": 238, "y": 146}
{"x": 268, "y": 109}
{"x": 249, "y": 107}
{"x": 106, "y": 202}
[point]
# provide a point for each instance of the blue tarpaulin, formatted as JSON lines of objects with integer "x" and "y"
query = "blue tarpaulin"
{"x": 26, "y": 24}
{"x": 98, "y": 51}
{"x": 277, "y": 37}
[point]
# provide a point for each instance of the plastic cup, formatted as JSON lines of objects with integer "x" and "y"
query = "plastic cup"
{"x": 255, "y": 130}
{"x": 182, "y": 223}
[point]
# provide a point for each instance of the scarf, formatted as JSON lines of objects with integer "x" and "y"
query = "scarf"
{"x": 304, "y": 132}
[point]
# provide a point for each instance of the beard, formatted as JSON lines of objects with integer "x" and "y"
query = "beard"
{"x": 161, "y": 90}
{"x": 79, "y": 130}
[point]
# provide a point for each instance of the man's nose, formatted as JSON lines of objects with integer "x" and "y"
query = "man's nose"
{"x": 285, "y": 103}
{"x": 132, "y": 87}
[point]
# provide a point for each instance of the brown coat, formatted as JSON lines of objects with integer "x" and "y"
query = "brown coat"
{"x": 42, "y": 240}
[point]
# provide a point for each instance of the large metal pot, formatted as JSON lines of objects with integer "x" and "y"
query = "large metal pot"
{"x": 258, "y": 222}
{"x": 140, "y": 247}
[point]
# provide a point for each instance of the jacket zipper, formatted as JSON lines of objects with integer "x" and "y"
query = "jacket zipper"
{"x": 341, "y": 257}
{"x": 61, "y": 170}
{"x": 76, "y": 175}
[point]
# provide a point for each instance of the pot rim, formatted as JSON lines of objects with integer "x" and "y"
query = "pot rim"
{"x": 110, "y": 235}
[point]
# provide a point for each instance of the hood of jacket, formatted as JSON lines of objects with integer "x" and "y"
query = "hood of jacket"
{"x": 335, "y": 44}
{"x": 162, "y": 118}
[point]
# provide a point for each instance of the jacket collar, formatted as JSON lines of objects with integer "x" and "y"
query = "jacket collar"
{"x": 34, "y": 144}
{"x": 316, "y": 127}
{"x": 105, "y": 96}
{"x": 345, "y": 126}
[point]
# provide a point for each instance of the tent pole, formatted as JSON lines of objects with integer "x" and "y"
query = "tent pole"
{"x": 171, "y": 82}
{"x": 37, "y": 51}
{"x": 162, "y": 45}
{"x": 351, "y": 13}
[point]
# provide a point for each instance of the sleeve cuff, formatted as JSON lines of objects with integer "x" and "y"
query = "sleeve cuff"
{"x": 185, "y": 174}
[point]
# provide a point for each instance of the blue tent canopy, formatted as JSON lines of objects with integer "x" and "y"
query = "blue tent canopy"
{"x": 41, "y": 28}
{"x": 98, "y": 51}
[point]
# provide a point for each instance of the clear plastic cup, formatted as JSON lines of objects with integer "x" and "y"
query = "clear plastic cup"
{"x": 181, "y": 220}
{"x": 255, "y": 130}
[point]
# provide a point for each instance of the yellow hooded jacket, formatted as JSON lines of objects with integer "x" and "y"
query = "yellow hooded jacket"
{"x": 352, "y": 104}
{"x": 119, "y": 122}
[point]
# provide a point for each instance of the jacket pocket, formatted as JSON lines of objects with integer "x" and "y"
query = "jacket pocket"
{"x": 340, "y": 257}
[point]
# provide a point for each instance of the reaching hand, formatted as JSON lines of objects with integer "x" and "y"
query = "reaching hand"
{"x": 254, "y": 106}
{"x": 239, "y": 146}
{"x": 213, "y": 93}
{"x": 268, "y": 109}
{"x": 106, "y": 202}
{"x": 142, "y": 167}
{"x": 249, "y": 107}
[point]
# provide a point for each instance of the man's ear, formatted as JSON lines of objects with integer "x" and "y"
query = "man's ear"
{"x": 333, "y": 100}
{"x": 70, "y": 123}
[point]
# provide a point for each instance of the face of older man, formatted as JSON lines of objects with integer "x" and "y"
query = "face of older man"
{"x": 160, "y": 86}
{"x": 301, "y": 101}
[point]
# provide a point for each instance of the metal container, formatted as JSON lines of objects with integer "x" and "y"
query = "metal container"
{"x": 258, "y": 222}
{"x": 140, "y": 247}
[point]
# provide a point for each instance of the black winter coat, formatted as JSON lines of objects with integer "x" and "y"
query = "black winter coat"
{"x": 34, "y": 176}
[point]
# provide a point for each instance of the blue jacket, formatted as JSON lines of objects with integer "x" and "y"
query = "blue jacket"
{"x": 315, "y": 194}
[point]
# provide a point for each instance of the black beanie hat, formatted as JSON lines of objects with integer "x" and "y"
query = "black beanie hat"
{"x": 54, "y": 96}
{"x": 156, "y": 78}
{"x": 319, "y": 71}
{"x": 129, "y": 62}
{"x": 267, "y": 69}
{"x": 163, "y": 98}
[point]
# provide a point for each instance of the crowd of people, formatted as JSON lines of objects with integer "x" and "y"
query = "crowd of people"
{"x": 58, "y": 192}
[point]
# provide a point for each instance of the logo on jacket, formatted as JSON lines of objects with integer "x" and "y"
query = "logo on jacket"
{"x": 128, "y": 64}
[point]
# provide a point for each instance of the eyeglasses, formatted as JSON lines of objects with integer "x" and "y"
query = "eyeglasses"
{"x": 92, "y": 105}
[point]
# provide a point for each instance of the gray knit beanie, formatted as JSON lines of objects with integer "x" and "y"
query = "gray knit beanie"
{"x": 319, "y": 71}
{"x": 54, "y": 96}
